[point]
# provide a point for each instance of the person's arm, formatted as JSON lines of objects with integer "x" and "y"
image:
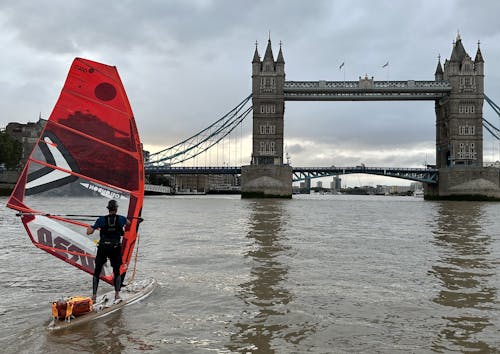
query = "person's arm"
{"x": 126, "y": 223}
{"x": 91, "y": 229}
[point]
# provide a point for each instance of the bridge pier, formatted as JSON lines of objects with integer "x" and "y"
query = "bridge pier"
{"x": 465, "y": 183}
{"x": 266, "y": 181}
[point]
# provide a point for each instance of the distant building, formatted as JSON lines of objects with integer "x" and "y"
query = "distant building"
{"x": 336, "y": 184}
{"x": 224, "y": 183}
{"x": 191, "y": 183}
{"x": 27, "y": 134}
{"x": 305, "y": 187}
{"x": 400, "y": 189}
{"x": 197, "y": 183}
{"x": 416, "y": 186}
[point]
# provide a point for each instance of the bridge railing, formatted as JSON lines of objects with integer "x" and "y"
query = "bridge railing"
{"x": 409, "y": 84}
{"x": 427, "y": 175}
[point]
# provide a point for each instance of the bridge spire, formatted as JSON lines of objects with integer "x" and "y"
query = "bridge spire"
{"x": 438, "y": 75}
{"x": 458, "y": 54}
{"x": 268, "y": 56}
{"x": 256, "y": 57}
{"x": 280, "y": 58}
{"x": 479, "y": 56}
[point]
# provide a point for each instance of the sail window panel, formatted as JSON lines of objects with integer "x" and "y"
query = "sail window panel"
{"x": 67, "y": 200}
{"x": 104, "y": 162}
{"x": 96, "y": 82}
{"x": 100, "y": 122}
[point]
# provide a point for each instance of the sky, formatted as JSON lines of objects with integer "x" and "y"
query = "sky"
{"x": 185, "y": 63}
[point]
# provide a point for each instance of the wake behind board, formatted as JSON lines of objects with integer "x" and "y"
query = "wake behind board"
{"x": 105, "y": 305}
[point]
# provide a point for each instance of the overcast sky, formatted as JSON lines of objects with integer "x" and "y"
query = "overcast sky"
{"x": 186, "y": 63}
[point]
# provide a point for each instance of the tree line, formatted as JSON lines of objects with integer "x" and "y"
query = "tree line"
{"x": 11, "y": 151}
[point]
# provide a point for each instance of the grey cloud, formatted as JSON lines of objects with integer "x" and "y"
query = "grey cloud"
{"x": 186, "y": 63}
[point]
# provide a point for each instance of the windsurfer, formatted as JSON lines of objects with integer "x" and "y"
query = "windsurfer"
{"x": 111, "y": 228}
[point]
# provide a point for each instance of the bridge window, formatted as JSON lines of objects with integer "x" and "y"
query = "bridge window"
{"x": 267, "y": 81}
{"x": 466, "y": 130}
{"x": 267, "y": 129}
{"x": 466, "y": 151}
{"x": 467, "y": 83}
{"x": 267, "y": 148}
{"x": 267, "y": 108}
{"x": 267, "y": 84}
{"x": 466, "y": 109}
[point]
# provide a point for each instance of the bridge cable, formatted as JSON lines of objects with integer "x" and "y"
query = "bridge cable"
{"x": 492, "y": 104}
{"x": 181, "y": 155}
{"x": 223, "y": 126}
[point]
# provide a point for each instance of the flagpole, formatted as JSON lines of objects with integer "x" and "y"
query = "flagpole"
{"x": 386, "y": 65}
{"x": 342, "y": 67}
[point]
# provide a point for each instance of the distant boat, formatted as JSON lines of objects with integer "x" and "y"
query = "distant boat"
{"x": 419, "y": 193}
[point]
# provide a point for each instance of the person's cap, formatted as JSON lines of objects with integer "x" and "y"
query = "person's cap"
{"x": 112, "y": 205}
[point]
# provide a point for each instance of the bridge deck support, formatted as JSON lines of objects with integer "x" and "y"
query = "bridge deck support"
{"x": 466, "y": 183}
{"x": 266, "y": 181}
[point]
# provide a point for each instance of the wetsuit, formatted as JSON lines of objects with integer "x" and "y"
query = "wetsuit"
{"x": 111, "y": 230}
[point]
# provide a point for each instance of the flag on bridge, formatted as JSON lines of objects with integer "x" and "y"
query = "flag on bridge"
{"x": 385, "y": 65}
{"x": 341, "y": 65}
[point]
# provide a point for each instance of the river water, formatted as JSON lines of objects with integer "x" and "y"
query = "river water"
{"x": 315, "y": 274}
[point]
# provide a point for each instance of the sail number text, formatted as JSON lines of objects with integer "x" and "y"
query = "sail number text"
{"x": 67, "y": 249}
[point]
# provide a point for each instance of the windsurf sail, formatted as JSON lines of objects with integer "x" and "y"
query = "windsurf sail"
{"x": 88, "y": 152}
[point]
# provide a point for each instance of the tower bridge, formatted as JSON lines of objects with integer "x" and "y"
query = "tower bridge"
{"x": 458, "y": 95}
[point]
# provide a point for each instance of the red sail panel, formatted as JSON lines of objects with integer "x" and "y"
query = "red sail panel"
{"x": 90, "y": 151}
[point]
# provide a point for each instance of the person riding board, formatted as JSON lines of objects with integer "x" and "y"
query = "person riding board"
{"x": 111, "y": 229}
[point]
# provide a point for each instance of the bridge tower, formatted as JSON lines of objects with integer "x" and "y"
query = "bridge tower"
{"x": 267, "y": 175}
{"x": 459, "y": 132}
{"x": 459, "y": 116}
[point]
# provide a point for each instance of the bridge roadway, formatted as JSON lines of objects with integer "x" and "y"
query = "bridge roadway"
{"x": 365, "y": 90}
{"x": 426, "y": 175}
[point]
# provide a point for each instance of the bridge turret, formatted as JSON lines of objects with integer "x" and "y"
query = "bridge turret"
{"x": 438, "y": 75}
{"x": 256, "y": 60}
{"x": 280, "y": 63}
{"x": 479, "y": 61}
{"x": 268, "y": 61}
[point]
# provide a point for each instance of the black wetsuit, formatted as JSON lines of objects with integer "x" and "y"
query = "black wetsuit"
{"x": 109, "y": 247}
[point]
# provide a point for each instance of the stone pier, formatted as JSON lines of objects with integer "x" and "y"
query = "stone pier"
{"x": 266, "y": 181}
{"x": 465, "y": 183}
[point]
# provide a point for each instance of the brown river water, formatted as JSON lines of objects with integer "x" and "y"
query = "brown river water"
{"x": 315, "y": 274}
